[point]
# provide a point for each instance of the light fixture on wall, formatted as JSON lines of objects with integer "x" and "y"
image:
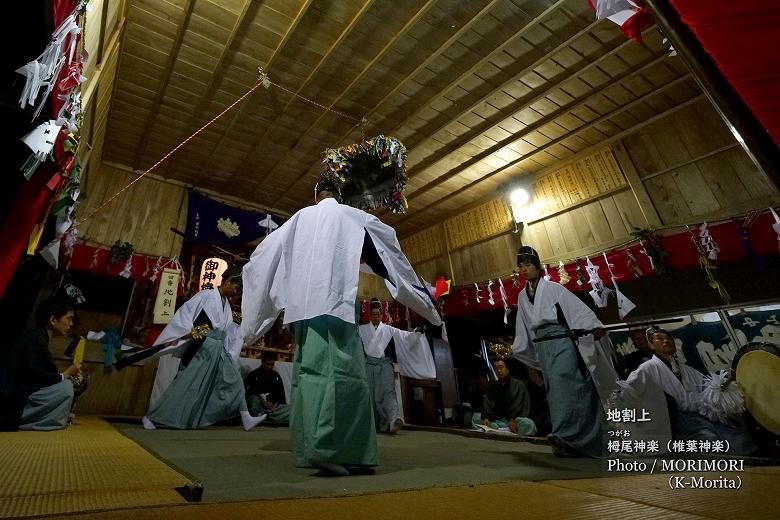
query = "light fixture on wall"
{"x": 519, "y": 200}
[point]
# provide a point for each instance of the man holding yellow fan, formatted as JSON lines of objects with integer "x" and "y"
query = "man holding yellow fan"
{"x": 34, "y": 395}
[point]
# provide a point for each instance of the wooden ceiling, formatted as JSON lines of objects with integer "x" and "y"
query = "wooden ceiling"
{"x": 481, "y": 92}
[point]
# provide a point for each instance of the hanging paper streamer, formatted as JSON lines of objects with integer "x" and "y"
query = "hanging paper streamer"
{"x": 709, "y": 269}
{"x": 708, "y": 243}
{"x": 491, "y": 301}
{"x": 546, "y": 273}
{"x": 598, "y": 292}
{"x": 624, "y": 304}
{"x": 479, "y": 298}
{"x": 127, "y": 272}
{"x": 42, "y": 72}
{"x": 563, "y": 276}
{"x": 156, "y": 270}
{"x": 507, "y": 310}
{"x": 776, "y": 226}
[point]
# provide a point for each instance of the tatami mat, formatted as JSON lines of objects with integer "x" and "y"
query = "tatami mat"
{"x": 89, "y": 466}
{"x": 523, "y": 500}
{"x": 758, "y": 498}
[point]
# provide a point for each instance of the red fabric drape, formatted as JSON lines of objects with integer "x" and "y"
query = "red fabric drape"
{"x": 743, "y": 39}
{"x": 34, "y": 197}
{"x": 683, "y": 255}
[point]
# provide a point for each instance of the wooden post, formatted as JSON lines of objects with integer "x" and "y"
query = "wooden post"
{"x": 637, "y": 186}
{"x": 738, "y": 117}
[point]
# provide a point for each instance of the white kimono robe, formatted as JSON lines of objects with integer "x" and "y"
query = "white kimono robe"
{"x": 411, "y": 348}
{"x": 218, "y": 311}
{"x": 310, "y": 267}
{"x": 531, "y": 316}
{"x": 686, "y": 391}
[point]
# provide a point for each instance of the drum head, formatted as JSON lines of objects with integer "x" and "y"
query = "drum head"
{"x": 757, "y": 371}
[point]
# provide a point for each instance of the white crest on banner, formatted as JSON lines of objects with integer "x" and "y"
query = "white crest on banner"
{"x": 228, "y": 227}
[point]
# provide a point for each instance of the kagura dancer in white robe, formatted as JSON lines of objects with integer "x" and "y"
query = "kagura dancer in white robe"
{"x": 310, "y": 267}
{"x": 410, "y": 350}
{"x": 198, "y": 381}
{"x": 546, "y": 309}
{"x": 684, "y": 386}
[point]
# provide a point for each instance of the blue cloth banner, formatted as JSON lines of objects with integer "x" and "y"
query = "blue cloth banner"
{"x": 212, "y": 222}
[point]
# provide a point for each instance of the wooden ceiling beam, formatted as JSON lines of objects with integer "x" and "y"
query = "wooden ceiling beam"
{"x": 435, "y": 54}
{"x": 381, "y": 54}
{"x": 172, "y": 56}
{"x": 471, "y": 70}
{"x": 577, "y": 103}
{"x": 217, "y": 75}
{"x": 587, "y": 126}
{"x": 309, "y": 78}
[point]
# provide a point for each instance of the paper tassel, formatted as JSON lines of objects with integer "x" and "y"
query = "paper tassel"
{"x": 479, "y": 299}
{"x": 563, "y": 276}
{"x": 652, "y": 248}
{"x": 546, "y": 273}
{"x": 75, "y": 294}
{"x": 720, "y": 398}
{"x": 503, "y": 300}
{"x": 127, "y": 272}
{"x": 71, "y": 237}
{"x": 156, "y": 270}
{"x": 710, "y": 270}
{"x": 491, "y": 301}
{"x": 632, "y": 264}
{"x": 776, "y": 226}
{"x": 708, "y": 243}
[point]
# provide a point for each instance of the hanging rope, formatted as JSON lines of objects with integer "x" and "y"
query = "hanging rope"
{"x": 263, "y": 81}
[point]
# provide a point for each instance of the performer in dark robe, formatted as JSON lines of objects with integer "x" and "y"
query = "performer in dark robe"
{"x": 34, "y": 395}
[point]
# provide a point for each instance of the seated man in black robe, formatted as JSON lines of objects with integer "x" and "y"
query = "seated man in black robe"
{"x": 265, "y": 391}
{"x": 507, "y": 403}
{"x": 34, "y": 395}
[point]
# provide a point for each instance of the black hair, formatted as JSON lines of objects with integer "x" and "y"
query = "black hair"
{"x": 528, "y": 254}
{"x": 55, "y": 307}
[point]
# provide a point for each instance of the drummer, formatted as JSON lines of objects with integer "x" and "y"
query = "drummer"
{"x": 684, "y": 387}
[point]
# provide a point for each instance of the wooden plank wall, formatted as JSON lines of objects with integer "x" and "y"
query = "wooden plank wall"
{"x": 682, "y": 169}
{"x": 693, "y": 169}
{"x": 142, "y": 215}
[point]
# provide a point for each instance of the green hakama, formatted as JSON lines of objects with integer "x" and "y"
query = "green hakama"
{"x": 208, "y": 390}
{"x": 332, "y": 419}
